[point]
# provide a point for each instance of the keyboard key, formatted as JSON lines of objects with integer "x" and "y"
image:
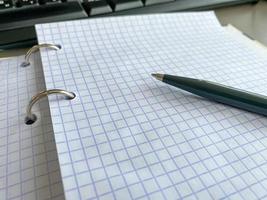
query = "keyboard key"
{"x": 51, "y": 0}
{"x": 150, "y": 2}
{"x": 96, "y": 7}
{"x": 28, "y": 2}
{"x": 118, "y": 5}
{"x": 18, "y": 4}
{"x": 6, "y": 4}
{"x": 42, "y": 2}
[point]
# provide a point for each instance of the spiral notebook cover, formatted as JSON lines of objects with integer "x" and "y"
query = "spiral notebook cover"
{"x": 128, "y": 136}
{"x": 29, "y": 167}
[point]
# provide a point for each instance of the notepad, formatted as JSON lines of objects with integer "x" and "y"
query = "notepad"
{"x": 29, "y": 167}
{"x": 127, "y": 136}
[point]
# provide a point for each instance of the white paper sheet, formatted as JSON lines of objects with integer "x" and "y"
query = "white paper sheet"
{"x": 128, "y": 136}
{"x": 29, "y": 167}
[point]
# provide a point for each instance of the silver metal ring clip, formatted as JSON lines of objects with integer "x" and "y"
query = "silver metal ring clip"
{"x": 30, "y": 117}
{"x": 36, "y": 48}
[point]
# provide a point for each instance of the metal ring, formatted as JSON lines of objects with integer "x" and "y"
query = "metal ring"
{"x": 36, "y": 48}
{"x": 30, "y": 117}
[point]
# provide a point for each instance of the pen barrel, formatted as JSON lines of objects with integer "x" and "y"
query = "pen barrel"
{"x": 224, "y": 94}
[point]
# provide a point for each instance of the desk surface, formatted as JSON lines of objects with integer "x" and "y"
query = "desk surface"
{"x": 250, "y": 19}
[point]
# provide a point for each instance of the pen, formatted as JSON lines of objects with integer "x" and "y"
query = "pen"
{"x": 221, "y": 93}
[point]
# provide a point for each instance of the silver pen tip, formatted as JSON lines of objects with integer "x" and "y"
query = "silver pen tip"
{"x": 158, "y": 76}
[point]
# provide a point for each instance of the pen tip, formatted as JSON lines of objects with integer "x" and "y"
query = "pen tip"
{"x": 158, "y": 76}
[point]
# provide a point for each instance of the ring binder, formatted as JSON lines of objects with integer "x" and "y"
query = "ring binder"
{"x": 30, "y": 117}
{"x": 36, "y": 48}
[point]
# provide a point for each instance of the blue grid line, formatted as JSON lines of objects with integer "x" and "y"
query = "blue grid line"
{"x": 182, "y": 143}
{"x": 70, "y": 158}
{"x": 245, "y": 163}
{"x": 141, "y": 151}
{"x": 7, "y": 117}
{"x": 153, "y": 148}
{"x": 125, "y": 182}
{"x": 192, "y": 163}
{"x": 191, "y": 179}
{"x": 100, "y": 158}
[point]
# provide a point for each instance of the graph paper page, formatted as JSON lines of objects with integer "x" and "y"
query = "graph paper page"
{"x": 29, "y": 167}
{"x": 129, "y": 136}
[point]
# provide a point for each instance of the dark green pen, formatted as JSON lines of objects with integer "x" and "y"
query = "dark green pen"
{"x": 221, "y": 93}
